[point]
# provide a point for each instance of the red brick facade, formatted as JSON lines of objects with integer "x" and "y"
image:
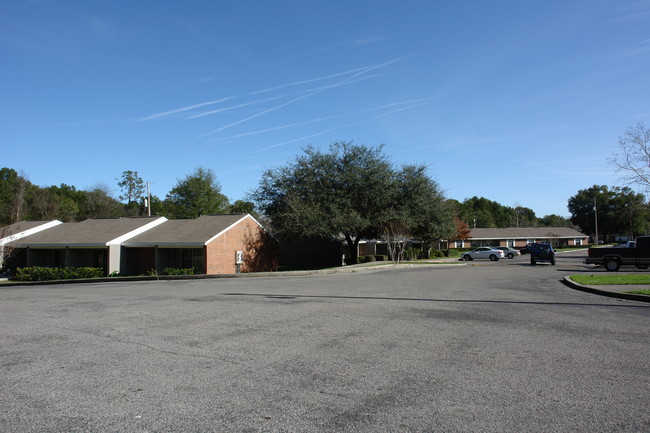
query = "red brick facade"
{"x": 258, "y": 247}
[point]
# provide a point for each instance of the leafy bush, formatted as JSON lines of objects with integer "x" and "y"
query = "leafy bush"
{"x": 412, "y": 254}
{"x": 177, "y": 271}
{"x": 380, "y": 258}
{"x": 437, "y": 253}
{"x": 453, "y": 252}
{"x": 40, "y": 273}
{"x": 366, "y": 259}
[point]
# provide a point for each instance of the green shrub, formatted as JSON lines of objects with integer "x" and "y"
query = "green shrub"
{"x": 453, "y": 252}
{"x": 412, "y": 254}
{"x": 365, "y": 259}
{"x": 177, "y": 271}
{"x": 380, "y": 258}
{"x": 437, "y": 253}
{"x": 41, "y": 273}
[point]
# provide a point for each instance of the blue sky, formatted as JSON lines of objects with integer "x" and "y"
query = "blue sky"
{"x": 519, "y": 102}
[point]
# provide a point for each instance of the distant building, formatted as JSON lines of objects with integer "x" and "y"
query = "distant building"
{"x": 520, "y": 237}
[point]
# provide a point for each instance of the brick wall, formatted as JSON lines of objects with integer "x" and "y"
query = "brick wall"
{"x": 260, "y": 250}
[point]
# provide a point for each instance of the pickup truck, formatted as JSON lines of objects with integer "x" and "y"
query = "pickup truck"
{"x": 612, "y": 258}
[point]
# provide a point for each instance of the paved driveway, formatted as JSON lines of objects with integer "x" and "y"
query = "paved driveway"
{"x": 495, "y": 347}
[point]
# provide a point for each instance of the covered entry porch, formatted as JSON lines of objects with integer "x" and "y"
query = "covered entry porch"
{"x": 147, "y": 260}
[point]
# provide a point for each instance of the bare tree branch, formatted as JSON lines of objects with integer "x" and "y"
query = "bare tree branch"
{"x": 633, "y": 161}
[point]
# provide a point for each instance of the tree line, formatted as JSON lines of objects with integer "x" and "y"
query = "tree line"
{"x": 479, "y": 212}
{"x": 197, "y": 194}
{"x": 350, "y": 190}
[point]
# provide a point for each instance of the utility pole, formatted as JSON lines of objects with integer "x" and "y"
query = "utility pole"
{"x": 596, "y": 220}
{"x": 148, "y": 198}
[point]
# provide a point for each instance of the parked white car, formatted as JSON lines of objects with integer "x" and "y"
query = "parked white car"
{"x": 510, "y": 252}
{"x": 483, "y": 253}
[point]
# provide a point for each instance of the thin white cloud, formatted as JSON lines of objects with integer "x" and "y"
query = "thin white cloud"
{"x": 633, "y": 16}
{"x": 641, "y": 48}
{"x": 296, "y": 140}
{"x": 355, "y": 71}
{"x": 397, "y": 110}
{"x": 272, "y": 98}
{"x": 274, "y": 128}
{"x": 184, "y": 109}
{"x": 319, "y": 119}
{"x": 368, "y": 41}
{"x": 312, "y": 80}
{"x": 233, "y": 107}
{"x": 338, "y": 127}
{"x": 351, "y": 43}
{"x": 331, "y": 86}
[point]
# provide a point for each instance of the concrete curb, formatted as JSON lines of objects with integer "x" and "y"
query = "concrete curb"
{"x": 344, "y": 269}
{"x": 591, "y": 289}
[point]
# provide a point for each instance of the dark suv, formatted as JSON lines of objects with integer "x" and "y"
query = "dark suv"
{"x": 541, "y": 252}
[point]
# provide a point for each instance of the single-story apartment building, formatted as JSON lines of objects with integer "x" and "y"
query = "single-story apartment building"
{"x": 210, "y": 244}
{"x": 519, "y": 237}
{"x": 491, "y": 237}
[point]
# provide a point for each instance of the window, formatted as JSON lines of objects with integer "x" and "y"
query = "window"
{"x": 458, "y": 244}
{"x": 510, "y": 243}
{"x": 577, "y": 241}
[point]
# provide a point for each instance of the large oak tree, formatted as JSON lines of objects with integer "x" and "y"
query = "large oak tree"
{"x": 352, "y": 191}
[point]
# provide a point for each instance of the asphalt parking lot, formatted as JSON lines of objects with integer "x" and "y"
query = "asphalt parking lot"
{"x": 494, "y": 347}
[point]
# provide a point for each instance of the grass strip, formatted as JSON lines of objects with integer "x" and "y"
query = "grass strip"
{"x": 611, "y": 279}
{"x": 640, "y": 292}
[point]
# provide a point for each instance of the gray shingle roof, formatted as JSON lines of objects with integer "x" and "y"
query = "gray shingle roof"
{"x": 525, "y": 233}
{"x": 90, "y": 232}
{"x": 190, "y": 232}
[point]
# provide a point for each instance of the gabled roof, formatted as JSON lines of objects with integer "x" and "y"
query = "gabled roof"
{"x": 89, "y": 233}
{"x": 191, "y": 232}
{"x": 21, "y": 229}
{"x": 525, "y": 233}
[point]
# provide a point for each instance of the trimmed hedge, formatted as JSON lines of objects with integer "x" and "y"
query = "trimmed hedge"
{"x": 40, "y": 273}
{"x": 177, "y": 271}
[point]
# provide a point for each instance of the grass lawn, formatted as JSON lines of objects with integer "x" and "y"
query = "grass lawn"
{"x": 640, "y": 292}
{"x": 622, "y": 279}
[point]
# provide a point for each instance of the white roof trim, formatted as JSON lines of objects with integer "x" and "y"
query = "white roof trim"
{"x": 29, "y": 232}
{"x": 118, "y": 240}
